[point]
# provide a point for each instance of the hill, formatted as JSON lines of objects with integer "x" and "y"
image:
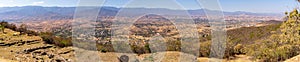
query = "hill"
{"x": 281, "y": 45}
{"x": 22, "y": 47}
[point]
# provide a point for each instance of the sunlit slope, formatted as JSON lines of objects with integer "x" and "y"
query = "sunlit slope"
{"x": 22, "y": 47}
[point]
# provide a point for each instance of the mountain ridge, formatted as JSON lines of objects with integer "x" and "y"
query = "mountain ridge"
{"x": 29, "y": 12}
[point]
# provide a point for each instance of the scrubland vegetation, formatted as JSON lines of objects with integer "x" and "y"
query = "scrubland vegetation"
{"x": 276, "y": 42}
{"x": 48, "y": 37}
{"x": 279, "y": 46}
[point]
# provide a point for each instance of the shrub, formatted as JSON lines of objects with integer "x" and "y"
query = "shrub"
{"x": 271, "y": 52}
{"x": 141, "y": 49}
{"x": 47, "y": 37}
{"x": 22, "y": 29}
{"x": 204, "y": 49}
{"x": 50, "y": 38}
{"x": 62, "y": 42}
{"x": 105, "y": 47}
{"x": 173, "y": 44}
{"x": 9, "y": 26}
{"x": 2, "y": 28}
{"x": 30, "y": 33}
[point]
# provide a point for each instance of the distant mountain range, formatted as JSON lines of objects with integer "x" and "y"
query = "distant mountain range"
{"x": 39, "y": 12}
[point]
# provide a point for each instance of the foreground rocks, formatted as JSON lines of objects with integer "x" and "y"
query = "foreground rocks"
{"x": 24, "y": 48}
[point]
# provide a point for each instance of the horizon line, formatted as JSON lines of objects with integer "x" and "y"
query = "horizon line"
{"x": 130, "y": 7}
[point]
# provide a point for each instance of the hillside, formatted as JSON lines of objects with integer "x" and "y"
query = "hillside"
{"x": 17, "y": 47}
{"x": 246, "y": 35}
{"x": 279, "y": 46}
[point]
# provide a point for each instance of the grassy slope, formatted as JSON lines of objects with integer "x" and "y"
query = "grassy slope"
{"x": 247, "y": 35}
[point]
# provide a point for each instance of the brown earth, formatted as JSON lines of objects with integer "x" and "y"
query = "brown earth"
{"x": 24, "y": 48}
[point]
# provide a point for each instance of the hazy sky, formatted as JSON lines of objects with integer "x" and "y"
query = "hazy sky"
{"x": 261, "y": 6}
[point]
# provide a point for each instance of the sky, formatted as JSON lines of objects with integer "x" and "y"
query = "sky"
{"x": 257, "y": 6}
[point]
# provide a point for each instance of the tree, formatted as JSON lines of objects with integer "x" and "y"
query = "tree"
{"x": 22, "y": 29}
{"x": 291, "y": 29}
{"x": 2, "y": 28}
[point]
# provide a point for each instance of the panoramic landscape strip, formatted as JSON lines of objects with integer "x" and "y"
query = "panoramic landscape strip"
{"x": 149, "y": 31}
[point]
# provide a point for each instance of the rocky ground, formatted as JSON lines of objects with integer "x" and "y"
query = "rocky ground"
{"x": 24, "y": 48}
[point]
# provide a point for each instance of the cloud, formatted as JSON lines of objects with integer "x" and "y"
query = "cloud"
{"x": 38, "y": 3}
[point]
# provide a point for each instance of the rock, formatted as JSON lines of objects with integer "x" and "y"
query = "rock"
{"x": 124, "y": 58}
{"x": 16, "y": 34}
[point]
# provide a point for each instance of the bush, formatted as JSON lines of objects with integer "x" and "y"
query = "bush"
{"x": 47, "y": 37}
{"x": 30, "y": 33}
{"x": 230, "y": 50}
{"x": 9, "y": 26}
{"x": 62, "y": 42}
{"x": 105, "y": 47}
{"x": 141, "y": 49}
{"x": 272, "y": 52}
{"x": 22, "y": 29}
{"x": 2, "y": 28}
{"x": 204, "y": 49}
{"x": 50, "y": 38}
{"x": 173, "y": 44}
